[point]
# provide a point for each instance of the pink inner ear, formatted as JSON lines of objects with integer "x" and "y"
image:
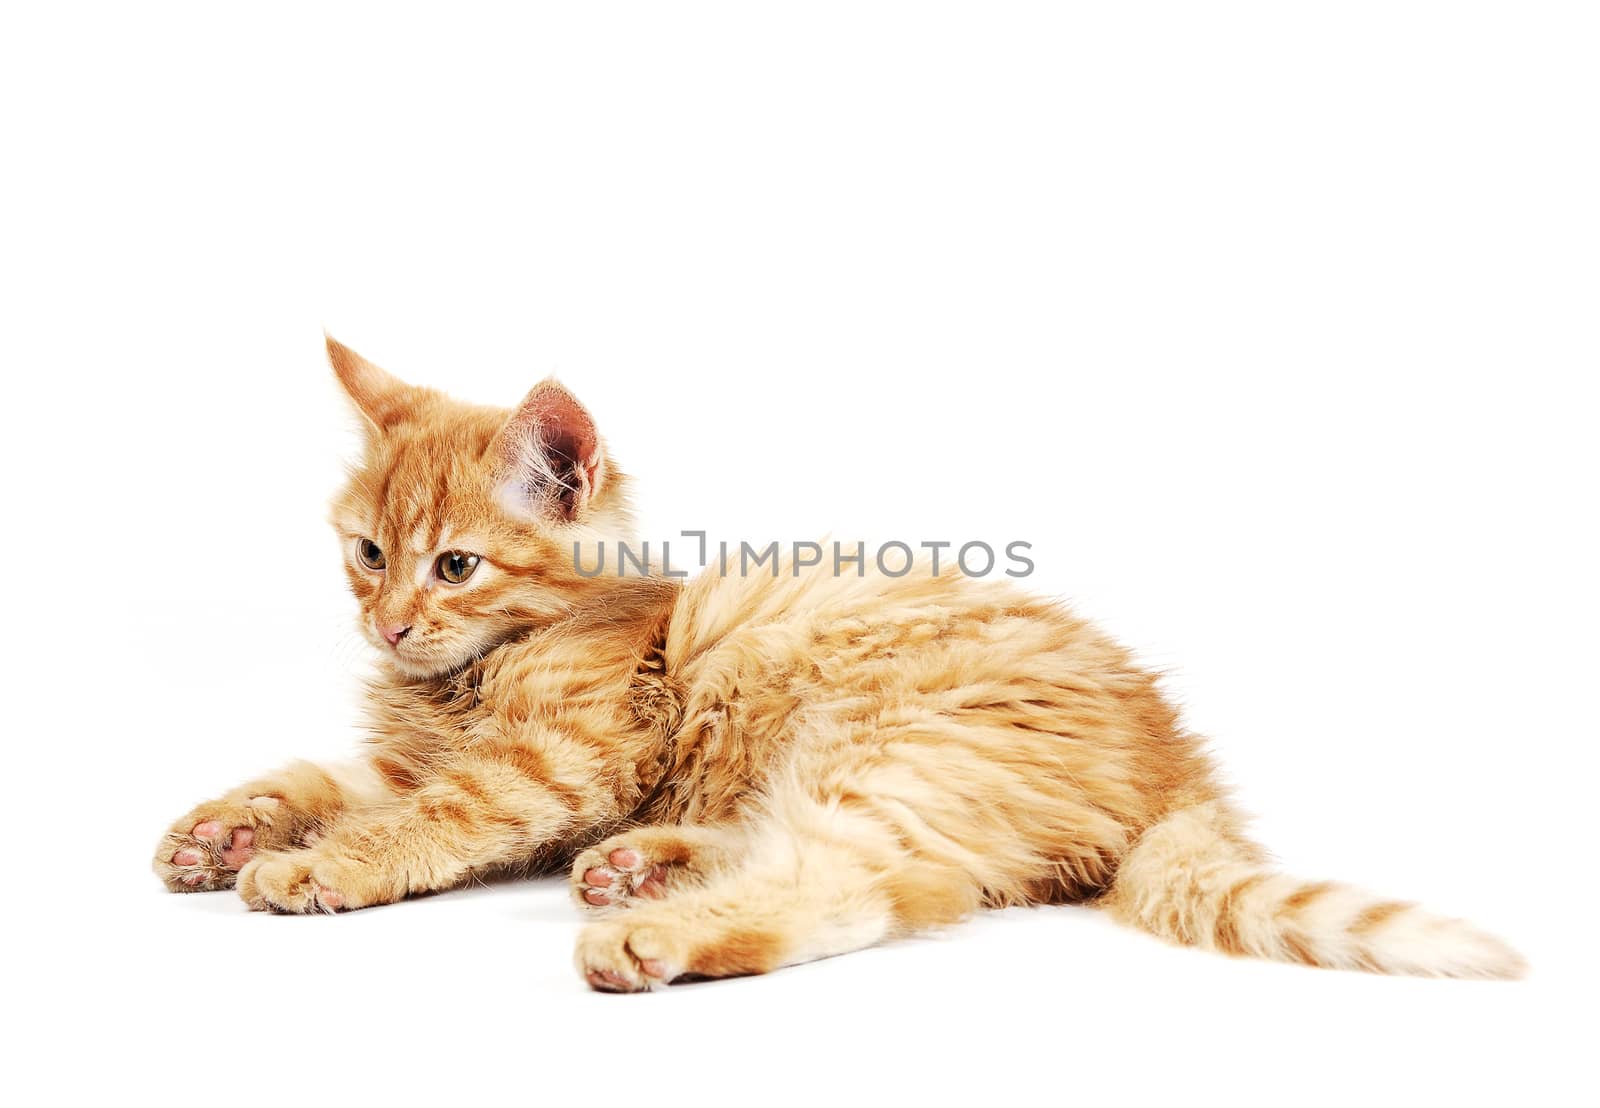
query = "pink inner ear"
{"x": 566, "y": 469}
{"x": 563, "y": 426}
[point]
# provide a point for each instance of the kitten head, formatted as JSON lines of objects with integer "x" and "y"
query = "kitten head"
{"x": 459, "y": 523}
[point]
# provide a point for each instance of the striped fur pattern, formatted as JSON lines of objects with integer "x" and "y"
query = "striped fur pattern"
{"x": 742, "y": 773}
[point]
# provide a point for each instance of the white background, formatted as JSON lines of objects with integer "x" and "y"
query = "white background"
{"x": 1272, "y": 326}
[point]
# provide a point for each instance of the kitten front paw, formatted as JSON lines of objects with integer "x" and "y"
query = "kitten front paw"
{"x": 206, "y": 848}
{"x": 296, "y": 882}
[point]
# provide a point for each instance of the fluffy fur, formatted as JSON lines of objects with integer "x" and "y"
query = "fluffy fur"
{"x": 743, "y": 772}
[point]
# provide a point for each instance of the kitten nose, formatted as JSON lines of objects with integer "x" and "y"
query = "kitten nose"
{"x": 395, "y": 633}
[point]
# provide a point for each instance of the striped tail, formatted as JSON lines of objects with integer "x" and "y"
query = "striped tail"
{"x": 1193, "y": 879}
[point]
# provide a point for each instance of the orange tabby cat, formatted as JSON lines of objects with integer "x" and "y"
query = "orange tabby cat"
{"x": 745, "y": 772}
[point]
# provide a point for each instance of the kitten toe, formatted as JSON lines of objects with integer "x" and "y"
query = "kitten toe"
{"x": 240, "y": 848}
{"x": 609, "y": 982}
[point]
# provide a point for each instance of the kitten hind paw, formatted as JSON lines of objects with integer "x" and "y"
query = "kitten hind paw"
{"x": 613, "y": 878}
{"x": 621, "y": 957}
{"x": 286, "y": 883}
{"x": 206, "y": 849}
{"x": 645, "y": 863}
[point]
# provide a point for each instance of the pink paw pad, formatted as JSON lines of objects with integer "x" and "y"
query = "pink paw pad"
{"x": 209, "y": 829}
{"x": 654, "y": 884}
{"x": 186, "y": 857}
{"x": 608, "y": 981}
{"x": 240, "y": 848}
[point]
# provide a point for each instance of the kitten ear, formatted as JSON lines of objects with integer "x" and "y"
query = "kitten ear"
{"x": 549, "y": 460}
{"x": 383, "y": 398}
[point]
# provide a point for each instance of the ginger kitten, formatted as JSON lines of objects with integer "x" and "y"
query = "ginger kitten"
{"x": 744, "y": 772}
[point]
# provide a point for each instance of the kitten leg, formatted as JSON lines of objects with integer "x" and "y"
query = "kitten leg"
{"x": 492, "y": 808}
{"x": 796, "y": 897}
{"x": 648, "y": 862}
{"x": 208, "y": 846}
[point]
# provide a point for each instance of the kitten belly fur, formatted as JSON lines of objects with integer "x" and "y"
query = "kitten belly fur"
{"x": 1004, "y": 743}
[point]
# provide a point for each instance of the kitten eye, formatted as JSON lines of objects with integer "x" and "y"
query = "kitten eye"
{"x": 370, "y": 554}
{"x": 455, "y": 567}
